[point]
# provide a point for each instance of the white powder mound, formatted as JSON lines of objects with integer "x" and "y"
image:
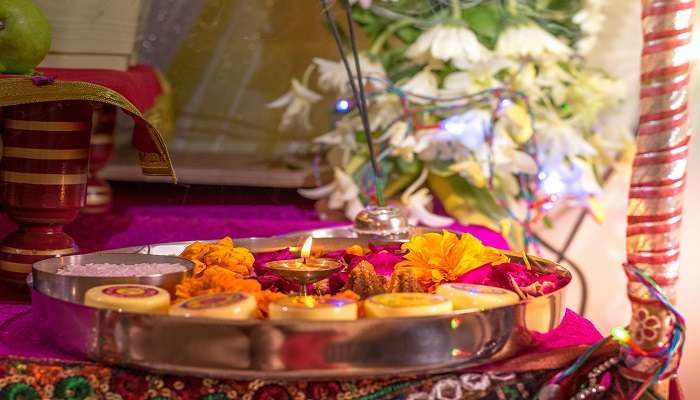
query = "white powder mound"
{"x": 119, "y": 270}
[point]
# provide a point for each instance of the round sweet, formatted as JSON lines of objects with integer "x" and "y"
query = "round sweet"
{"x": 468, "y": 296}
{"x": 129, "y": 297}
{"x": 406, "y": 305}
{"x": 219, "y": 305}
{"x": 316, "y": 308}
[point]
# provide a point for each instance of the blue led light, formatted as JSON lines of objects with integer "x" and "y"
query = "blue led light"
{"x": 342, "y": 106}
{"x": 469, "y": 129}
{"x": 505, "y": 103}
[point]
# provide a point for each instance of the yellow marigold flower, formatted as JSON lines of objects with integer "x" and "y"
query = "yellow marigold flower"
{"x": 435, "y": 258}
{"x": 355, "y": 250}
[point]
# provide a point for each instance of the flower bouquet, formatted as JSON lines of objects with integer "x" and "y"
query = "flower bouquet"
{"x": 488, "y": 105}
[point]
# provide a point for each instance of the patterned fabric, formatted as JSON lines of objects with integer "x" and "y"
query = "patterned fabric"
{"x": 29, "y": 380}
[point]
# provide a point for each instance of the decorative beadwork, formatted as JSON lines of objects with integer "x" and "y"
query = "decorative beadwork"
{"x": 40, "y": 380}
{"x": 595, "y": 387}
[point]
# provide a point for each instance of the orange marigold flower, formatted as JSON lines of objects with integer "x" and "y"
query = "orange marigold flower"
{"x": 222, "y": 254}
{"x": 215, "y": 280}
{"x": 347, "y": 294}
{"x": 443, "y": 257}
{"x": 264, "y": 298}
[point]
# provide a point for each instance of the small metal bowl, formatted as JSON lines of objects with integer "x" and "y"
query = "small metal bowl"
{"x": 388, "y": 223}
{"x": 73, "y": 287}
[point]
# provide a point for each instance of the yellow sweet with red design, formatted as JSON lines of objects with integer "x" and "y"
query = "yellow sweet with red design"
{"x": 129, "y": 298}
{"x": 467, "y": 296}
{"x": 219, "y": 305}
{"x": 406, "y": 305}
{"x": 314, "y": 308}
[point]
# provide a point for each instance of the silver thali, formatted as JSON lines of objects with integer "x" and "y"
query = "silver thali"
{"x": 292, "y": 349}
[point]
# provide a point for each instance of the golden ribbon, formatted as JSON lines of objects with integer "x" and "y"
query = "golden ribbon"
{"x": 15, "y": 91}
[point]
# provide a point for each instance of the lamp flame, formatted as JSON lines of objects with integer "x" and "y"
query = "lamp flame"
{"x": 306, "y": 248}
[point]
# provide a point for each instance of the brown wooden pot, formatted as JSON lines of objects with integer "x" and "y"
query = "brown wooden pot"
{"x": 43, "y": 175}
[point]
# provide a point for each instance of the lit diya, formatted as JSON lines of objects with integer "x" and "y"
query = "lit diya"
{"x": 305, "y": 270}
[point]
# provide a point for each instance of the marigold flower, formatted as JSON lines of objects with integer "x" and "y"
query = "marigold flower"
{"x": 264, "y": 298}
{"x": 222, "y": 254}
{"x": 443, "y": 257}
{"x": 355, "y": 250}
{"x": 215, "y": 280}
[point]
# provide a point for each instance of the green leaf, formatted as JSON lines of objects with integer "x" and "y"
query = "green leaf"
{"x": 363, "y": 17}
{"x": 408, "y": 34}
{"x": 393, "y": 57}
{"x": 408, "y": 167}
{"x": 360, "y": 136}
{"x": 441, "y": 168}
{"x": 407, "y": 72}
{"x": 542, "y": 4}
{"x": 486, "y": 20}
{"x": 479, "y": 199}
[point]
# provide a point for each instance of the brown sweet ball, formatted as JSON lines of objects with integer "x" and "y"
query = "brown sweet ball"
{"x": 403, "y": 280}
{"x": 364, "y": 281}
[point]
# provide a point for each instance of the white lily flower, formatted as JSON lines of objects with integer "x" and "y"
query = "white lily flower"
{"x": 421, "y": 87}
{"x": 363, "y": 3}
{"x": 343, "y": 133}
{"x": 460, "y": 83}
{"x": 591, "y": 93}
{"x": 468, "y": 129}
{"x": 545, "y": 77}
{"x": 384, "y": 110}
{"x": 342, "y": 193}
{"x": 298, "y": 102}
{"x": 448, "y": 43}
{"x": 403, "y": 143}
{"x": 569, "y": 179}
{"x": 552, "y": 76}
{"x": 530, "y": 41}
{"x": 416, "y": 201}
{"x": 508, "y": 159}
{"x": 333, "y": 75}
{"x": 457, "y": 137}
{"x": 418, "y": 214}
{"x": 559, "y": 140}
{"x": 502, "y": 159}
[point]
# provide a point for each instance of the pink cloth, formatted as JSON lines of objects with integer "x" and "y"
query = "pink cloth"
{"x": 147, "y": 214}
{"x": 144, "y": 214}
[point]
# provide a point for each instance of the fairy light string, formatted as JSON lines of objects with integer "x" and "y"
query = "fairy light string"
{"x": 451, "y": 106}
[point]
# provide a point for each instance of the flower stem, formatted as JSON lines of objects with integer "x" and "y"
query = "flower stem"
{"x": 456, "y": 9}
{"x": 307, "y": 74}
{"x": 512, "y": 7}
{"x": 381, "y": 39}
{"x": 355, "y": 163}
